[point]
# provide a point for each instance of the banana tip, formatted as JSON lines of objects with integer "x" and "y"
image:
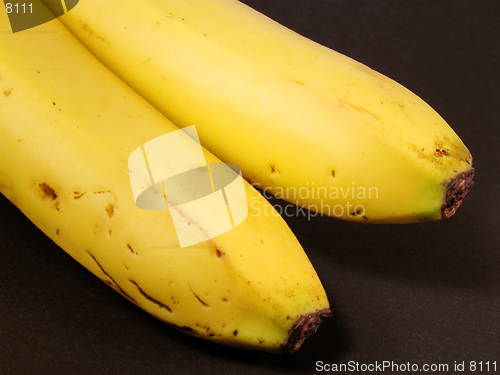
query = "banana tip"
{"x": 456, "y": 192}
{"x": 304, "y": 327}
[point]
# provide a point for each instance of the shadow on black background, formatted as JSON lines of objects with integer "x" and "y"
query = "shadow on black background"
{"x": 453, "y": 252}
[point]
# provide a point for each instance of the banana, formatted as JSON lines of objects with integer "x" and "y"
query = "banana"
{"x": 303, "y": 122}
{"x": 67, "y": 128}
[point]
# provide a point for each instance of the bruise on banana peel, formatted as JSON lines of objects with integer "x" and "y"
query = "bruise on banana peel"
{"x": 47, "y": 191}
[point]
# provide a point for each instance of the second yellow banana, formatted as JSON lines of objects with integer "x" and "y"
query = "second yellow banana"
{"x": 302, "y": 121}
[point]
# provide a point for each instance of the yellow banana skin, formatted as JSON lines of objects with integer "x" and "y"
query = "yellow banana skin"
{"x": 67, "y": 128}
{"x": 302, "y": 121}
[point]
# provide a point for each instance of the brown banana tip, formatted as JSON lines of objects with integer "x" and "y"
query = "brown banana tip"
{"x": 304, "y": 327}
{"x": 456, "y": 192}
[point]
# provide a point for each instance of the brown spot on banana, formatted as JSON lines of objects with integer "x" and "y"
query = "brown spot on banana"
{"x": 78, "y": 195}
{"x": 91, "y": 33}
{"x": 439, "y": 153}
{"x": 148, "y": 297}
{"x": 356, "y": 213}
{"x": 131, "y": 249}
{"x": 198, "y": 298}
{"x": 443, "y": 148}
{"x": 113, "y": 282}
{"x": 110, "y": 210}
{"x": 184, "y": 328}
{"x": 47, "y": 192}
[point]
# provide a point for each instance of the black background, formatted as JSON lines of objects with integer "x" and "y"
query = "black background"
{"x": 418, "y": 293}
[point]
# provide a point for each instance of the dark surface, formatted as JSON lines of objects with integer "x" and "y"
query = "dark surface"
{"x": 419, "y": 293}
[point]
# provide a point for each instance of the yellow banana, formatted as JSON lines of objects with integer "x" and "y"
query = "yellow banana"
{"x": 67, "y": 128}
{"x": 302, "y": 121}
